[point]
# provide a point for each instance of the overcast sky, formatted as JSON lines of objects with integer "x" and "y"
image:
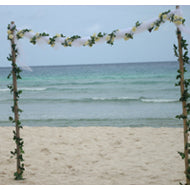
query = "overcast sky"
{"x": 85, "y": 21}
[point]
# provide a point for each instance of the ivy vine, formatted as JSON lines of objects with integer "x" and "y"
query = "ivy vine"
{"x": 185, "y": 98}
{"x": 18, "y": 152}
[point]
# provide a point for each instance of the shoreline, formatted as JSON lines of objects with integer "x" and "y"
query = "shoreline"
{"x": 95, "y": 156}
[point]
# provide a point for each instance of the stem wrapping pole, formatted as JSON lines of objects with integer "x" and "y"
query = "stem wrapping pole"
{"x": 15, "y": 100}
{"x": 181, "y": 68}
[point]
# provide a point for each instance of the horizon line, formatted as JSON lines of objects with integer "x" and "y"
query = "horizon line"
{"x": 89, "y": 64}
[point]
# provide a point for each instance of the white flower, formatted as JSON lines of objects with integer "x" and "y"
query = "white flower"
{"x": 86, "y": 43}
{"x": 9, "y": 31}
{"x": 165, "y": 16}
{"x": 156, "y": 28}
{"x": 134, "y": 29}
{"x": 176, "y": 17}
{"x": 10, "y": 36}
{"x": 58, "y": 35}
{"x": 178, "y": 22}
{"x": 107, "y": 38}
{"x": 126, "y": 38}
{"x": 69, "y": 43}
{"x": 97, "y": 39}
{"x": 21, "y": 35}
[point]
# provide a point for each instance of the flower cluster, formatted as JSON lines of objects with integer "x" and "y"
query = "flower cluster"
{"x": 53, "y": 39}
{"x": 37, "y": 36}
{"x": 93, "y": 39}
{"x": 68, "y": 41}
{"x": 163, "y": 17}
{"x": 10, "y": 35}
{"x": 20, "y": 34}
{"x": 178, "y": 19}
{"x": 133, "y": 30}
{"x": 111, "y": 37}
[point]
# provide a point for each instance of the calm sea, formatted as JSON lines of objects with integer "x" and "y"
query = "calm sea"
{"x": 131, "y": 94}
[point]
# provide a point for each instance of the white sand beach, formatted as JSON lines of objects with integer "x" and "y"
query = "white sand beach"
{"x": 95, "y": 155}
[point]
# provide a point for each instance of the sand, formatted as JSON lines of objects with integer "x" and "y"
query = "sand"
{"x": 95, "y": 156}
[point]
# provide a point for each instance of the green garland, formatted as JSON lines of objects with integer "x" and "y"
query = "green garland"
{"x": 185, "y": 97}
{"x": 163, "y": 17}
{"x": 18, "y": 152}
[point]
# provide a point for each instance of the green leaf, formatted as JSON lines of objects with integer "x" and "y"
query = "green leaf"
{"x": 178, "y": 84}
{"x": 181, "y": 154}
{"x": 10, "y": 118}
{"x": 13, "y": 153}
{"x": 178, "y": 76}
{"x": 181, "y": 116}
{"x": 137, "y": 24}
{"x": 9, "y": 75}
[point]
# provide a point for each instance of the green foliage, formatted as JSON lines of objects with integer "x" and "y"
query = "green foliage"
{"x": 19, "y": 176}
{"x": 33, "y": 40}
{"x": 21, "y": 33}
{"x": 137, "y": 24}
{"x": 163, "y": 17}
{"x": 18, "y": 152}
{"x": 129, "y": 35}
{"x": 101, "y": 35}
{"x": 111, "y": 37}
{"x": 68, "y": 41}
{"x": 181, "y": 154}
{"x": 185, "y": 97}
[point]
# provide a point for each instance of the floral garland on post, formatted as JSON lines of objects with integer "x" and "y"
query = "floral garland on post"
{"x": 15, "y": 73}
{"x": 185, "y": 97}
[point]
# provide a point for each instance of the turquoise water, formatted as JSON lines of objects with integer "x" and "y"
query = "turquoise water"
{"x": 131, "y": 94}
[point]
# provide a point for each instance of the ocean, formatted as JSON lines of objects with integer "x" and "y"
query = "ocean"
{"x": 118, "y": 95}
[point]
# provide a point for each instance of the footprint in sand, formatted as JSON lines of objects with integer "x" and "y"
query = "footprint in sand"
{"x": 45, "y": 150}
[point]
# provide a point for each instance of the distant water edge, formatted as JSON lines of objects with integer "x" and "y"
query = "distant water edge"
{"x": 118, "y": 95}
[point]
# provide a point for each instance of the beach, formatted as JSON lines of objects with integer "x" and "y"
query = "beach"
{"x": 95, "y": 156}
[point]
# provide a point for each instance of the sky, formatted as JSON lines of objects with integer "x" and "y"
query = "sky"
{"x": 85, "y": 20}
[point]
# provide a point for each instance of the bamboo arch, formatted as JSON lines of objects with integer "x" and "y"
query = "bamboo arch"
{"x": 14, "y": 34}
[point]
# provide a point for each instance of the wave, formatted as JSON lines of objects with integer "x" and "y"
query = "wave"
{"x": 4, "y": 89}
{"x": 159, "y": 100}
{"x": 95, "y": 99}
{"x": 33, "y": 89}
{"x": 141, "y": 99}
{"x": 25, "y": 89}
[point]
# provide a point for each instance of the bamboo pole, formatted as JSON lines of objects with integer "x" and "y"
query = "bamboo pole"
{"x": 16, "y": 115}
{"x": 181, "y": 67}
